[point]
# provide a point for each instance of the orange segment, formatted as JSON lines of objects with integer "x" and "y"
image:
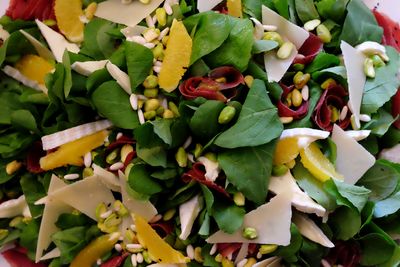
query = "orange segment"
{"x": 68, "y": 13}
{"x": 234, "y": 8}
{"x": 34, "y": 67}
{"x": 286, "y": 150}
{"x": 158, "y": 249}
{"x": 177, "y": 57}
{"x": 72, "y": 152}
{"x": 319, "y": 165}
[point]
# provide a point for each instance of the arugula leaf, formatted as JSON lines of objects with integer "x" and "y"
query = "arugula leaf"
{"x": 24, "y": 119}
{"x": 112, "y": 102}
{"x": 376, "y": 249}
{"x": 258, "y": 122}
{"x": 360, "y": 25}
{"x": 149, "y": 146}
{"x": 236, "y": 49}
{"x": 306, "y": 10}
{"x": 204, "y": 123}
{"x": 139, "y": 60}
{"x": 141, "y": 181}
{"x": 249, "y": 169}
{"x": 228, "y": 217}
{"x": 379, "y": 90}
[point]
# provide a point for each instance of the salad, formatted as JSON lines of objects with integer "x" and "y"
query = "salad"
{"x": 199, "y": 133}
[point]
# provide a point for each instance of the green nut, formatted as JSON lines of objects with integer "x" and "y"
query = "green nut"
{"x": 250, "y": 233}
{"x": 147, "y": 257}
{"x": 100, "y": 209}
{"x": 112, "y": 220}
{"x": 149, "y": 115}
{"x": 169, "y": 214}
{"x": 239, "y": 199}
{"x": 168, "y": 114}
{"x": 273, "y": 36}
{"x": 369, "y": 69}
{"x": 300, "y": 79}
{"x": 323, "y": 33}
{"x": 151, "y": 104}
{"x": 198, "y": 149}
{"x": 3, "y": 233}
{"x": 160, "y": 111}
{"x": 150, "y": 92}
{"x": 161, "y": 16}
{"x": 173, "y": 108}
{"x": 87, "y": 172}
{"x": 378, "y": 61}
{"x": 158, "y": 51}
{"x": 151, "y": 81}
{"x": 335, "y": 114}
{"x": 285, "y": 50}
{"x": 298, "y": 67}
{"x": 267, "y": 248}
{"x": 279, "y": 170}
{"x": 15, "y": 221}
{"x": 120, "y": 208}
{"x": 226, "y": 115}
{"x": 297, "y": 98}
{"x": 181, "y": 157}
{"x": 110, "y": 159}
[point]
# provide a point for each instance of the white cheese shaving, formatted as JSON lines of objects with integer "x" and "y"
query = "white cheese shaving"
{"x": 352, "y": 160}
{"x": 142, "y": 207}
{"x": 55, "y": 253}
{"x": 274, "y": 66}
{"x": 207, "y": 5}
{"x": 130, "y": 32}
{"x": 271, "y": 220}
{"x": 309, "y": 229}
{"x": 17, "y": 75}
{"x": 108, "y": 178}
{"x": 13, "y": 207}
{"x": 307, "y": 132}
{"x": 56, "y": 41}
{"x": 66, "y": 136}
{"x": 242, "y": 254}
{"x": 40, "y": 48}
{"x": 212, "y": 168}
{"x": 85, "y": 195}
{"x": 129, "y": 15}
{"x": 165, "y": 265}
{"x": 53, "y": 209}
{"x": 391, "y": 154}
{"x": 300, "y": 200}
{"x": 358, "y": 135}
{"x": 121, "y": 77}
{"x": 354, "y": 63}
{"x": 270, "y": 262}
{"x": 188, "y": 213}
{"x": 88, "y": 67}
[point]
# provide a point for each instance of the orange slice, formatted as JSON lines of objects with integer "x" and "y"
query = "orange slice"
{"x": 71, "y": 153}
{"x": 235, "y": 8}
{"x": 319, "y": 165}
{"x": 68, "y": 13}
{"x": 34, "y": 67}
{"x": 177, "y": 57}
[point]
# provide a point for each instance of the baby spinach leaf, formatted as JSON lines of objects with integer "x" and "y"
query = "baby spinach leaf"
{"x": 23, "y": 119}
{"x": 9, "y": 101}
{"x": 282, "y": 7}
{"x": 139, "y": 60}
{"x": 357, "y": 195}
{"x": 375, "y": 249}
{"x": 228, "y": 217}
{"x": 14, "y": 47}
{"x": 33, "y": 191}
{"x": 236, "y": 49}
{"x": 379, "y": 90}
{"x": 258, "y": 122}
{"x": 306, "y": 10}
{"x": 345, "y": 222}
{"x": 12, "y": 143}
{"x": 67, "y": 74}
{"x": 289, "y": 252}
{"x": 252, "y": 8}
{"x": 261, "y": 46}
{"x": 211, "y": 30}
{"x": 112, "y": 102}
{"x": 322, "y": 61}
{"x": 337, "y": 73}
{"x": 149, "y": 146}
{"x": 360, "y": 25}
{"x": 204, "y": 122}
{"x": 387, "y": 206}
{"x": 394, "y": 260}
{"x": 332, "y": 9}
{"x": 141, "y": 181}
{"x": 380, "y": 122}
{"x": 162, "y": 128}
{"x": 249, "y": 169}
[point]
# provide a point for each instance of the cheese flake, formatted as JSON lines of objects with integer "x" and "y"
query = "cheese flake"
{"x": 207, "y": 5}
{"x": 129, "y": 15}
{"x": 13, "y": 207}
{"x": 85, "y": 195}
{"x": 354, "y": 63}
{"x": 270, "y": 262}
{"x": 108, "y": 178}
{"x": 17, "y": 75}
{"x": 274, "y": 66}
{"x": 88, "y": 67}
{"x": 188, "y": 213}
{"x": 300, "y": 200}
{"x": 41, "y": 49}
{"x": 350, "y": 166}
{"x": 391, "y": 154}
{"x": 271, "y": 220}
{"x": 55, "y": 253}
{"x": 121, "y": 77}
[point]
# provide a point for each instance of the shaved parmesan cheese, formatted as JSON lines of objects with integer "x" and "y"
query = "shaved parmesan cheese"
{"x": 207, "y": 5}
{"x": 55, "y": 253}
{"x": 85, "y": 195}
{"x": 354, "y": 63}
{"x": 130, "y": 32}
{"x": 274, "y": 66}
{"x": 391, "y": 154}
{"x": 358, "y": 135}
{"x": 53, "y": 209}
{"x": 108, "y": 178}
{"x": 121, "y": 77}
{"x": 212, "y": 168}
{"x": 309, "y": 229}
{"x": 188, "y": 213}
{"x": 142, "y": 207}
{"x": 13, "y": 207}
{"x": 242, "y": 254}
{"x": 300, "y": 200}
{"x": 60, "y": 138}
{"x": 17, "y": 75}
{"x": 308, "y": 132}
{"x": 129, "y": 15}
{"x": 56, "y": 41}
{"x": 270, "y": 262}
{"x": 352, "y": 160}
{"x": 88, "y": 67}
{"x": 165, "y": 265}
{"x": 41, "y": 49}
{"x": 271, "y": 220}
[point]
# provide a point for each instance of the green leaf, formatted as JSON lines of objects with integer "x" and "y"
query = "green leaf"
{"x": 208, "y": 197}
{"x": 261, "y": 46}
{"x": 162, "y": 128}
{"x": 236, "y": 49}
{"x": 29, "y": 236}
{"x": 337, "y": 73}
{"x": 322, "y": 61}
{"x": 332, "y": 9}
{"x": 258, "y": 122}
{"x": 394, "y": 260}
{"x": 11, "y": 144}
{"x": 149, "y": 146}
{"x": 139, "y": 60}
{"x": 252, "y": 8}
{"x": 357, "y": 195}
{"x": 381, "y": 179}
{"x": 23, "y": 119}
{"x": 289, "y": 252}
{"x": 387, "y": 206}
{"x": 70, "y": 220}
{"x": 379, "y": 90}
{"x": 249, "y": 169}
{"x": 204, "y": 123}
{"x": 141, "y": 181}
{"x": 33, "y": 191}
{"x": 228, "y": 217}
{"x": 67, "y": 74}
{"x": 15, "y": 46}
{"x": 306, "y": 10}
{"x": 380, "y": 122}
{"x": 345, "y": 223}
{"x": 112, "y": 102}
{"x": 375, "y": 249}
{"x": 360, "y": 25}
{"x": 8, "y": 103}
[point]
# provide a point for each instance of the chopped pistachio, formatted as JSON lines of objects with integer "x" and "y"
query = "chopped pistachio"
{"x": 168, "y": 114}
{"x": 248, "y": 80}
{"x": 285, "y": 50}
{"x": 169, "y": 214}
{"x": 181, "y": 157}
{"x": 226, "y": 115}
{"x": 151, "y": 104}
{"x": 297, "y": 98}
{"x": 151, "y": 81}
{"x": 267, "y": 248}
{"x": 239, "y": 199}
{"x": 149, "y": 115}
{"x": 13, "y": 166}
{"x": 150, "y": 92}
{"x": 250, "y": 233}
{"x": 279, "y": 170}
{"x": 161, "y": 16}
{"x": 323, "y": 33}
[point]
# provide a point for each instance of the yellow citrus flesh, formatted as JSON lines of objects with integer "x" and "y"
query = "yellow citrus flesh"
{"x": 316, "y": 163}
{"x": 34, "y": 67}
{"x": 286, "y": 150}
{"x": 158, "y": 249}
{"x": 68, "y": 14}
{"x": 234, "y": 8}
{"x": 95, "y": 250}
{"x": 177, "y": 57}
{"x": 72, "y": 152}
